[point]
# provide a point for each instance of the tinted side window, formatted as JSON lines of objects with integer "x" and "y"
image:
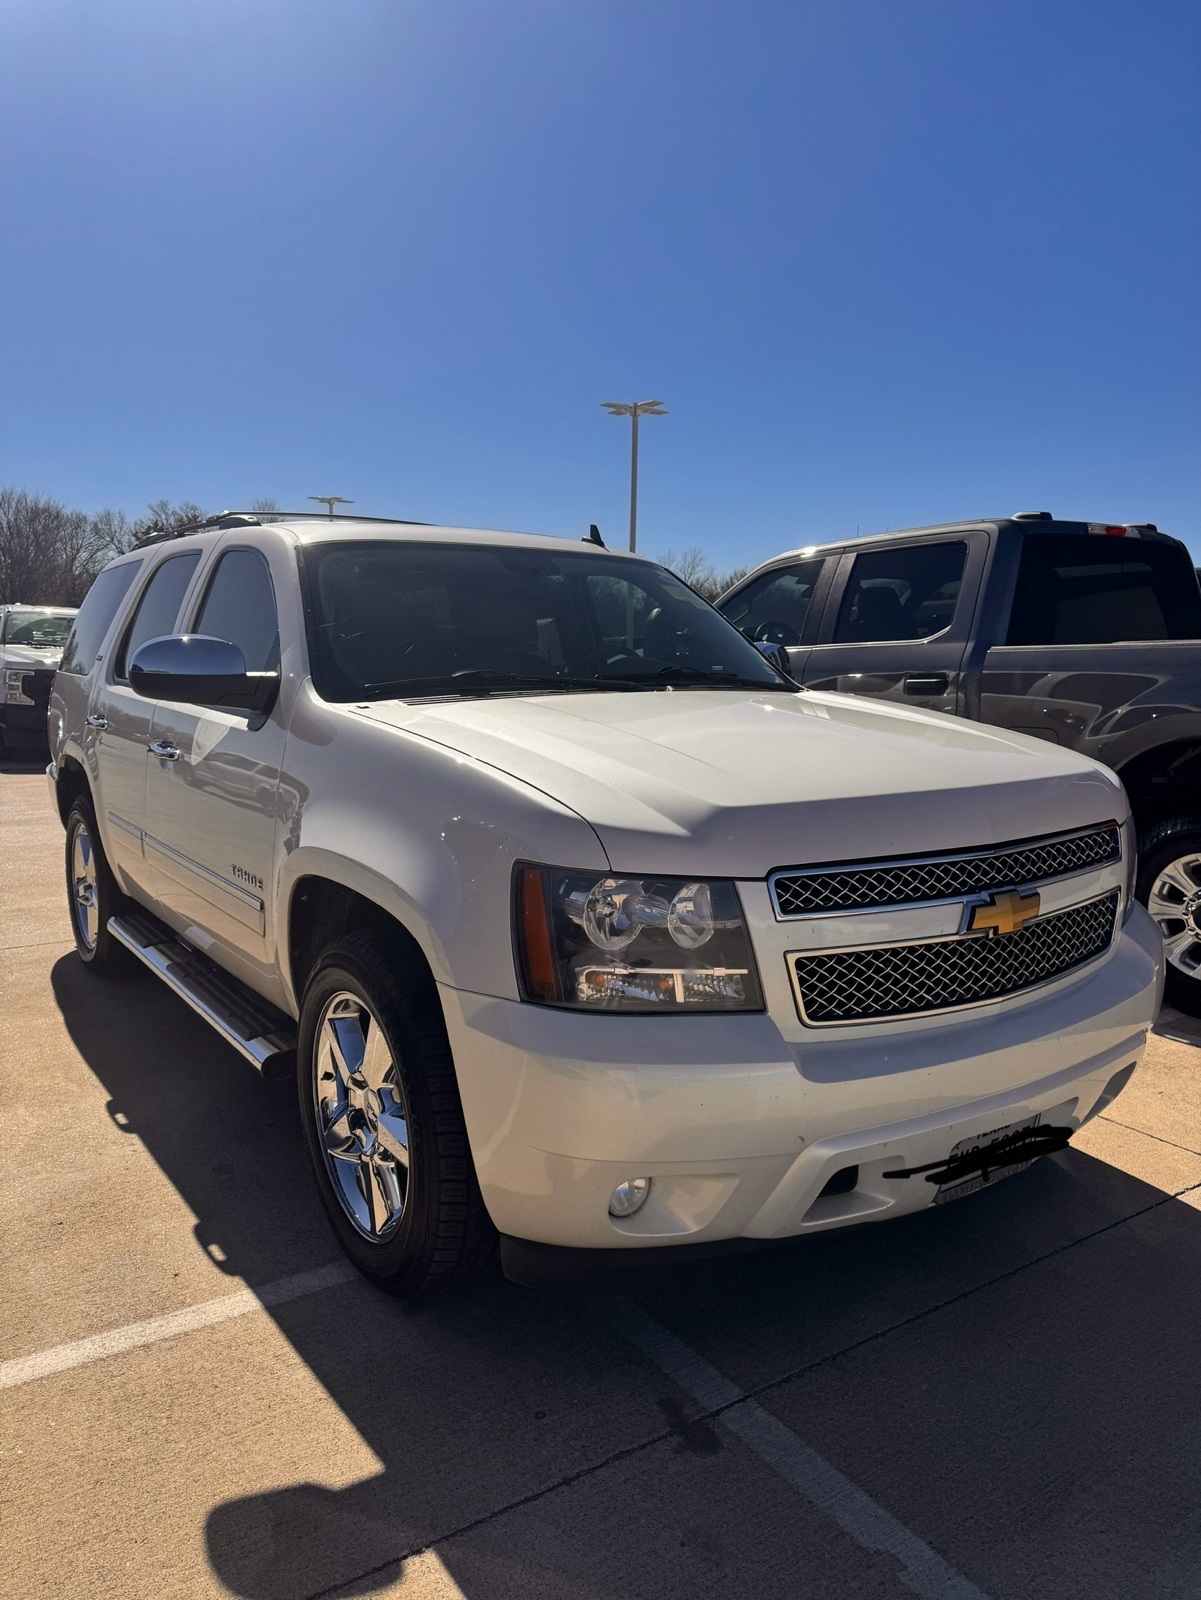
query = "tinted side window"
{"x": 1088, "y": 590}
{"x": 905, "y": 593}
{"x": 100, "y": 606}
{"x": 772, "y": 609}
{"x": 240, "y": 607}
{"x": 159, "y": 606}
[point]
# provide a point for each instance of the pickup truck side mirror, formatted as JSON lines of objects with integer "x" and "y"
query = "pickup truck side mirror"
{"x": 775, "y": 654}
{"x": 194, "y": 670}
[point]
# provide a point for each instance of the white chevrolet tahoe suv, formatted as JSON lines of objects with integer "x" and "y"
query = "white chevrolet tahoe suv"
{"x": 581, "y": 925}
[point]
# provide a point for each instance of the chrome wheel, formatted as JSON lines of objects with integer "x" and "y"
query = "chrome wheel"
{"x": 1175, "y": 903}
{"x": 84, "y": 890}
{"x": 362, "y": 1118}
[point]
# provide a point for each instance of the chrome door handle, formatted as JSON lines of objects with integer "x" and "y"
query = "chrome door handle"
{"x": 96, "y": 722}
{"x": 163, "y": 749}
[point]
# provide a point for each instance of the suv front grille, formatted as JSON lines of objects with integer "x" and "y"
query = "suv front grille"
{"x": 895, "y": 883}
{"x": 907, "y": 980}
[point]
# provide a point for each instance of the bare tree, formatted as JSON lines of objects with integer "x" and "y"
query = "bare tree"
{"x": 695, "y": 568}
{"x": 112, "y": 532}
{"x": 263, "y": 508}
{"x": 162, "y": 517}
{"x": 49, "y": 554}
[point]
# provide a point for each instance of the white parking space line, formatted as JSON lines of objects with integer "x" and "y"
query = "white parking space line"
{"x": 871, "y": 1527}
{"x": 82, "y": 1352}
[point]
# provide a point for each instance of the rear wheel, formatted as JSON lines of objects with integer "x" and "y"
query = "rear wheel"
{"x": 384, "y": 1123}
{"x": 1169, "y": 885}
{"x": 92, "y": 893}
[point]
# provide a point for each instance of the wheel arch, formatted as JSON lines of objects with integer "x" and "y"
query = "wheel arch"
{"x": 1163, "y": 781}
{"x": 326, "y": 896}
{"x": 71, "y": 782}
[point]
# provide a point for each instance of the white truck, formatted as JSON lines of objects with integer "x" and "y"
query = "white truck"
{"x": 31, "y": 644}
{"x": 582, "y": 927}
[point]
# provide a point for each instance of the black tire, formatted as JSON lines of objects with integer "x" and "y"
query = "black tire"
{"x": 441, "y": 1237}
{"x": 1175, "y": 844}
{"x": 97, "y": 948}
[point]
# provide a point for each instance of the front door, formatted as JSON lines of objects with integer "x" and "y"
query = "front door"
{"x": 211, "y": 786}
{"x": 121, "y": 722}
{"x": 897, "y": 621}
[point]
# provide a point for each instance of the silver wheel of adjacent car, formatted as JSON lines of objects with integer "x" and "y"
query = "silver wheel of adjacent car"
{"x": 1174, "y": 900}
{"x": 85, "y": 892}
{"x": 361, "y": 1115}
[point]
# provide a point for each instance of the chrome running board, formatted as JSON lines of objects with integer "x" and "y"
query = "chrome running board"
{"x": 265, "y": 1036}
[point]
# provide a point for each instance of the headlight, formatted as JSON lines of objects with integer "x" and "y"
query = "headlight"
{"x": 600, "y": 942}
{"x": 13, "y": 691}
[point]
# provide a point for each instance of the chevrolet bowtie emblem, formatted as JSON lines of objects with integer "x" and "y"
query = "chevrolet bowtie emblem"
{"x": 1004, "y": 913}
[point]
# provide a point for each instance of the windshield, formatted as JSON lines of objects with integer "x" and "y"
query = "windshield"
{"x": 42, "y": 630}
{"x": 393, "y": 619}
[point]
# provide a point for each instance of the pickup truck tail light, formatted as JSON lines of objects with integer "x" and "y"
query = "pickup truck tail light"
{"x": 603, "y": 942}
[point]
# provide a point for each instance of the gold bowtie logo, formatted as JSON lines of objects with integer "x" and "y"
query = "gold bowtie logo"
{"x": 1004, "y": 913}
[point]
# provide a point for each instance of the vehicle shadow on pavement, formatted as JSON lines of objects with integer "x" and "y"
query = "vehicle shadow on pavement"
{"x": 1015, "y": 1378}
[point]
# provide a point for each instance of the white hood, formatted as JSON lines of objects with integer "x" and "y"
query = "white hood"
{"x": 27, "y": 656}
{"x": 738, "y": 783}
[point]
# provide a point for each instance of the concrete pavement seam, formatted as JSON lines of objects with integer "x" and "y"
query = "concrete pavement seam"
{"x": 1158, "y": 1137}
{"x": 715, "y": 1413}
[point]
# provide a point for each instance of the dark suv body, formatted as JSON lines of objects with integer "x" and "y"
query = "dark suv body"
{"x": 1084, "y": 634}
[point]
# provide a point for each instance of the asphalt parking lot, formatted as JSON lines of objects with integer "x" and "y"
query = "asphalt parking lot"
{"x": 999, "y": 1398}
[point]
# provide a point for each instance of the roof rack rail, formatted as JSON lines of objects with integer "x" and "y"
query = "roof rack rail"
{"x": 236, "y": 519}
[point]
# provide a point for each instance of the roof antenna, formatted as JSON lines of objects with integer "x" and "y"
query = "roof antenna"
{"x": 593, "y": 536}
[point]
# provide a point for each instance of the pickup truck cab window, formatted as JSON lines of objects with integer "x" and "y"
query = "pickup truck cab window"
{"x": 1089, "y": 590}
{"x": 239, "y": 606}
{"x": 908, "y": 592}
{"x": 158, "y": 607}
{"x": 773, "y": 609}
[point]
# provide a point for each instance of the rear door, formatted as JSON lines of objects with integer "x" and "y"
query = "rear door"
{"x": 121, "y": 720}
{"x": 782, "y": 606}
{"x": 1073, "y": 591}
{"x": 898, "y": 619}
{"x": 212, "y": 779}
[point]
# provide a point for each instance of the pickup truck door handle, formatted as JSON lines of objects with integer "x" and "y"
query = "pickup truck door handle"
{"x": 164, "y": 749}
{"x": 926, "y": 683}
{"x": 95, "y": 721}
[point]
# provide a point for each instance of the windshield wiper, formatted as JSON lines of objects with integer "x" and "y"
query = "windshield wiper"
{"x": 689, "y": 678}
{"x": 479, "y": 680}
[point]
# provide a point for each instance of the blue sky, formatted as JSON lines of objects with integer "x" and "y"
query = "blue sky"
{"x": 885, "y": 261}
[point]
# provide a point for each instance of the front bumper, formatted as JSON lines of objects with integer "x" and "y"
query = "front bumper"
{"x": 742, "y": 1121}
{"x": 24, "y": 727}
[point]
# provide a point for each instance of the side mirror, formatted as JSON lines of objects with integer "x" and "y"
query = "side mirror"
{"x": 194, "y": 670}
{"x": 774, "y": 653}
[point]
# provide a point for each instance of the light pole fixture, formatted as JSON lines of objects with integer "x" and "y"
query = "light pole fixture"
{"x": 329, "y": 501}
{"x": 639, "y": 408}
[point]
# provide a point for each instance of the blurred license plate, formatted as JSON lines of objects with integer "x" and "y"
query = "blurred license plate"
{"x": 982, "y": 1180}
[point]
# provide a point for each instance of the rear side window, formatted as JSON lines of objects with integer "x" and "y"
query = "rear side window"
{"x": 1088, "y": 590}
{"x": 908, "y": 592}
{"x": 240, "y": 608}
{"x": 159, "y": 606}
{"x": 772, "y": 609}
{"x": 100, "y": 606}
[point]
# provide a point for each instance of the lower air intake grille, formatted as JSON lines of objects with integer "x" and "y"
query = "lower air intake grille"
{"x": 940, "y": 974}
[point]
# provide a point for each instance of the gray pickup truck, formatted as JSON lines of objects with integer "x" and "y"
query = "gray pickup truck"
{"x": 1083, "y": 634}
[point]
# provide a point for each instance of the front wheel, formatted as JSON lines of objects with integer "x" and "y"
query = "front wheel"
{"x": 384, "y": 1123}
{"x": 1169, "y": 885}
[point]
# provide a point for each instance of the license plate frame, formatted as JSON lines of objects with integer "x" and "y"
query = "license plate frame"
{"x": 981, "y": 1180}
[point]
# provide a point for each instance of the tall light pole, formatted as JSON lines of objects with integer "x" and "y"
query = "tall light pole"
{"x": 639, "y": 408}
{"x": 329, "y": 501}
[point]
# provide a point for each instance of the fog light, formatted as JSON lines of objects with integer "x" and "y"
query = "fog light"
{"x": 629, "y": 1197}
